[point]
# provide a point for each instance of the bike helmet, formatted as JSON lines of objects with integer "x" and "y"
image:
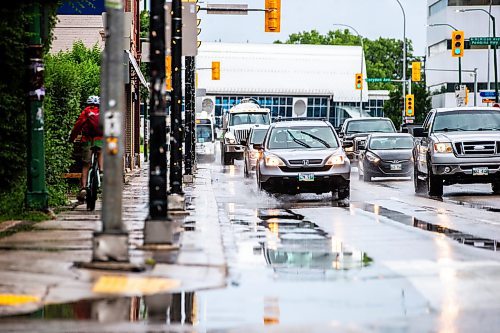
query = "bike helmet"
{"x": 93, "y": 100}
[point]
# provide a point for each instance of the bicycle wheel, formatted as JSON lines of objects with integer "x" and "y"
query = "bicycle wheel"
{"x": 93, "y": 186}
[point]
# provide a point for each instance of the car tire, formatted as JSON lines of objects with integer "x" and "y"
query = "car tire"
{"x": 343, "y": 193}
{"x": 418, "y": 184}
{"x": 434, "y": 184}
{"x": 227, "y": 159}
{"x": 495, "y": 187}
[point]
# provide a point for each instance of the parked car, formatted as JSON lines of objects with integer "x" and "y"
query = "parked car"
{"x": 386, "y": 155}
{"x": 355, "y": 130}
{"x": 457, "y": 146}
{"x": 250, "y": 154}
{"x": 303, "y": 156}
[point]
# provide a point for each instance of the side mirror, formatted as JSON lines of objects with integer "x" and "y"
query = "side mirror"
{"x": 418, "y": 132}
{"x": 347, "y": 144}
{"x": 258, "y": 146}
{"x": 341, "y": 135}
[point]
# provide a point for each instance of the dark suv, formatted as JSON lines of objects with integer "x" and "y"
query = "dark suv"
{"x": 354, "y": 132}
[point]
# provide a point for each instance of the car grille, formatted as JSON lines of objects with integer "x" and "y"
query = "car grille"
{"x": 241, "y": 134}
{"x": 307, "y": 162}
{"x": 305, "y": 169}
{"x": 475, "y": 148}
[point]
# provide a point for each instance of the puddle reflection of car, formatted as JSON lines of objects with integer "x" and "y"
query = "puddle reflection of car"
{"x": 250, "y": 154}
{"x": 303, "y": 156}
{"x": 386, "y": 155}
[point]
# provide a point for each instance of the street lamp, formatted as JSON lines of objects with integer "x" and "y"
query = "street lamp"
{"x": 362, "y": 63}
{"x": 404, "y": 55}
{"x": 494, "y": 45}
{"x": 459, "y": 58}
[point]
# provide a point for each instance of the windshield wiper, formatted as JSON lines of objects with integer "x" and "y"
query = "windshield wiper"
{"x": 487, "y": 129}
{"x": 302, "y": 143}
{"x": 320, "y": 140}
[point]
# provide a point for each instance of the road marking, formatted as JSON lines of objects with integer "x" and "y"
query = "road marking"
{"x": 135, "y": 285}
{"x": 14, "y": 300}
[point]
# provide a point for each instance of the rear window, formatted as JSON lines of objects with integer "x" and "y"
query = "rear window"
{"x": 370, "y": 126}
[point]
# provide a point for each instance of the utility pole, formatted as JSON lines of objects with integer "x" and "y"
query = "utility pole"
{"x": 176, "y": 137}
{"x": 111, "y": 245}
{"x": 146, "y": 130}
{"x": 189, "y": 117}
{"x": 158, "y": 226}
{"x": 36, "y": 195}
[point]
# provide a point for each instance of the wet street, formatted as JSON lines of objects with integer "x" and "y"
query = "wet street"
{"x": 387, "y": 260}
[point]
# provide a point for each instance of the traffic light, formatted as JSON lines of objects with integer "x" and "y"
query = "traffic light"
{"x": 168, "y": 72}
{"x": 359, "y": 81}
{"x": 273, "y": 15}
{"x": 416, "y": 71}
{"x": 410, "y": 105}
{"x": 215, "y": 70}
{"x": 457, "y": 43}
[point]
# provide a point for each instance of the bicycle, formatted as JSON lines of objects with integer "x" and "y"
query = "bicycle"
{"x": 93, "y": 180}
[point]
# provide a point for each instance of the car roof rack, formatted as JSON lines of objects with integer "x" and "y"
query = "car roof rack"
{"x": 278, "y": 119}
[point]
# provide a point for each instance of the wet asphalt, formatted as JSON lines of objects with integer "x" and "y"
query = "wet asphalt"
{"x": 386, "y": 261}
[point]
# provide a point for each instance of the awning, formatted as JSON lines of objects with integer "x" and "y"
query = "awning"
{"x": 137, "y": 69}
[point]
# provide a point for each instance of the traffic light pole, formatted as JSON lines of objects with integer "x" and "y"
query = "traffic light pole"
{"x": 495, "y": 58}
{"x": 36, "y": 195}
{"x": 176, "y": 137}
{"x": 158, "y": 228}
{"x": 189, "y": 117}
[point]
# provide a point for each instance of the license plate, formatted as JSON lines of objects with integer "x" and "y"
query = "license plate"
{"x": 306, "y": 177}
{"x": 396, "y": 167}
{"x": 480, "y": 171}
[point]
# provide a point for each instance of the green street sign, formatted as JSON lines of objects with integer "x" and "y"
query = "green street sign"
{"x": 377, "y": 80}
{"x": 493, "y": 41}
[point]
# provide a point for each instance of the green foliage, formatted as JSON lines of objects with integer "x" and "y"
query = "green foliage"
{"x": 144, "y": 20}
{"x": 70, "y": 78}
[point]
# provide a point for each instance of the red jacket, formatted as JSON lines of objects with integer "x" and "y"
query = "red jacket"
{"x": 81, "y": 125}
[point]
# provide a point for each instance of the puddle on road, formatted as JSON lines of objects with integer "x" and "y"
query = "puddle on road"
{"x": 179, "y": 308}
{"x": 463, "y": 238}
{"x": 474, "y": 205}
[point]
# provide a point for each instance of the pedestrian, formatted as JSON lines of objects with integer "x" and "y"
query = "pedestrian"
{"x": 87, "y": 126}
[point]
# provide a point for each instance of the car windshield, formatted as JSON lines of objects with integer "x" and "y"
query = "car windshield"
{"x": 391, "y": 142}
{"x": 370, "y": 126}
{"x": 258, "y": 136}
{"x": 467, "y": 120}
{"x": 203, "y": 133}
{"x": 302, "y": 138}
{"x": 249, "y": 118}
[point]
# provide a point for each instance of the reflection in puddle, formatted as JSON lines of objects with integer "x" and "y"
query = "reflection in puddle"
{"x": 463, "y": 238}
{"x": 179, "y": 308}
{"x": 302, "y": 250}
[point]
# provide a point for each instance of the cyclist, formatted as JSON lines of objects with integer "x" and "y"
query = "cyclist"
{"x": 87, "y": 126}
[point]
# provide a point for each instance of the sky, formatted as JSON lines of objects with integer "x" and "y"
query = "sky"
{"x": 371, "y": 18}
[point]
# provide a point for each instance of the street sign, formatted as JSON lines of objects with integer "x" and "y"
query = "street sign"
{"x": 488, "y": 100}
{"x": 377, "y": 79}
{"x": 493, "y": 41}
{"x": 487, "y": 93}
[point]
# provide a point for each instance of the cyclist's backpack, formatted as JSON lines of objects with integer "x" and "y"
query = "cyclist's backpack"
{"x": 92, "y": 128}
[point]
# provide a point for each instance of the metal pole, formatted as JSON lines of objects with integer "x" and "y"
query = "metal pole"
{"x": 495, "y": 59}
{"x": 193, "y": 126}
{"x": 176, "y": 107}
{"x": 158, "y": 228}
{"x": 112, "y": 243}
{"x": 146, "y": 131}
{"x": 188, "y": 118}
{"x": 475, "y": 86}
{"x": 36, "y": 194}
{"x": 404, "y": 56}
{"x": 459, "y": 71}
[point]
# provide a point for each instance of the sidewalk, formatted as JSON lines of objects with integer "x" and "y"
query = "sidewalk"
{"x": 37, "y": 266}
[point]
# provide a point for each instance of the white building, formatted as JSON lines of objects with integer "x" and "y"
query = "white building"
{"x": 474, "y": 24}
{"x": 291, "y": 80}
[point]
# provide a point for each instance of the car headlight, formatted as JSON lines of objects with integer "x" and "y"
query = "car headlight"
{"x": 229, "y": 137}
{"x": 336, "y": 160}
{"x": 443, "y": 148}
{"x": 273, "y": 161}
{"x": 372, "y": 157}
{"x": 349, "y": 149}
